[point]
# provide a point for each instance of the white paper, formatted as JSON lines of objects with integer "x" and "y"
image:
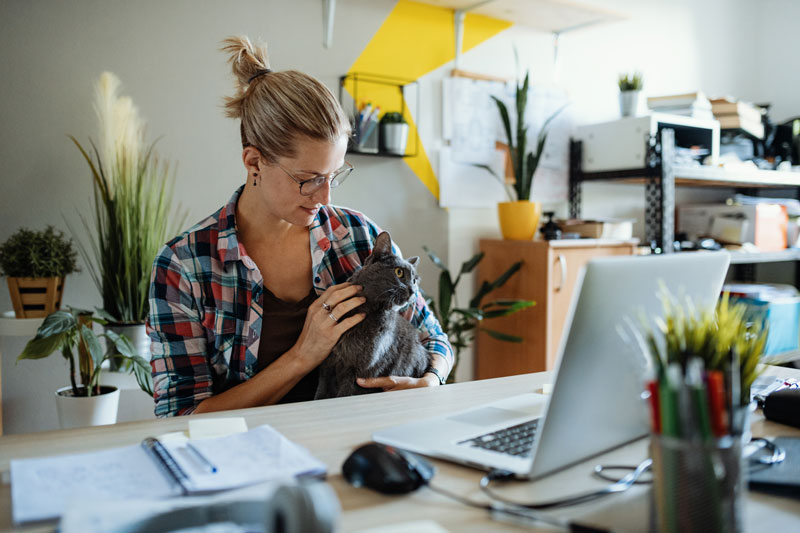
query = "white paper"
{"x": 207, "y": 428}
{"x": 469, "y": 118}
{"x": 43, "y": 488}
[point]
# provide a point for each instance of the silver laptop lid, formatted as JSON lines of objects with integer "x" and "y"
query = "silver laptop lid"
{"x": 596, "y": 403}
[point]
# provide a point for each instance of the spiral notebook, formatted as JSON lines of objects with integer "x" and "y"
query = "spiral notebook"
{"x": 42, "y": 488}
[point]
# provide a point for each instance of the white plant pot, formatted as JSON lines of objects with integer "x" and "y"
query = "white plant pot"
{"x": 630, "y": 103}
{"x": 136, "y": 333}
{"x": 82, "y": 411}
{"x": 394, "y": 137}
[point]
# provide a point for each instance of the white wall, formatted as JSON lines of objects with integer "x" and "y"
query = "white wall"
{"x": 166, "y": 55}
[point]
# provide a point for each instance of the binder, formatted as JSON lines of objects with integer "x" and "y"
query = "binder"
{"x": 42, "y": 488}
{"x": 780, "y": 478}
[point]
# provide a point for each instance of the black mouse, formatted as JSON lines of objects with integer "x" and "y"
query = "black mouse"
{"x": 386, "y": 469}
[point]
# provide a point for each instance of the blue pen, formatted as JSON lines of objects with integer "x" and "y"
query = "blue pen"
{"x": 202, "y": 458}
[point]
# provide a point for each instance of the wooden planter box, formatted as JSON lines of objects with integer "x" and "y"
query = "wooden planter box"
{"x": 35, "y": 297}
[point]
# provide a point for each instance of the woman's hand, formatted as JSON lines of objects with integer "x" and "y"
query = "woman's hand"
{"x": 398, "y": 382}
{"x": 323, "y": 326}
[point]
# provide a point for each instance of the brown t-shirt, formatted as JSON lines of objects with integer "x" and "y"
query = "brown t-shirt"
{"x": 282, "y": 323}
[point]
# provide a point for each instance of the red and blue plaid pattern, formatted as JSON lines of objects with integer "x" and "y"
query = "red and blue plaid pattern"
{"x": 205, "y": 303}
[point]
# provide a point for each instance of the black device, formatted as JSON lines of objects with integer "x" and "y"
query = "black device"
{"x": 783, "y": 406}
{"x": 386, "y": 469}
{"x": 550, "y": 230}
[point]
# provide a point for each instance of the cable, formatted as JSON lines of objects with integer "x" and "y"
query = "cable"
{"x": 619, "y": 486}
{"x": 523, "y": 515}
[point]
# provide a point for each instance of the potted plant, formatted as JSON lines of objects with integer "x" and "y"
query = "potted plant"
{"x": 394, "y": 133}
{"x": 35, "y": 264}
{"x": 85, "y": 403}
{"x": 630, "y": 93}
{"x": 131, "y": 212}
{"x": 460, "y": 324}
{"x": 519, "y": 217}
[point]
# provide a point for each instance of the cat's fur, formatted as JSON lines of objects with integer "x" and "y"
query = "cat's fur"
{"x": 384, "y": 343}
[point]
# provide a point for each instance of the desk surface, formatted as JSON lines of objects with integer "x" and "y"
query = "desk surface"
{"x": 330, "y": 429}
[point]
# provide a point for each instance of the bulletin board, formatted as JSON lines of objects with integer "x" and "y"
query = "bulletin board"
{"x": 471, "y": 127}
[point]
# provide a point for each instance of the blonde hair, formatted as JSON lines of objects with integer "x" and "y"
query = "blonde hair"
{"x": 278, "y": 107}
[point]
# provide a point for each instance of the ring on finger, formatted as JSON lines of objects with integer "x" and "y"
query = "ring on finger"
{"x": 333, "y": 317}
{"x": 326, "y": 306}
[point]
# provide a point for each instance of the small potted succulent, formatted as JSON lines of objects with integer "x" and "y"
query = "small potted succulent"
{"x": 85, "y": 403}
{"x": 394, "y": 133}
{"x": 35, "y": 264}
{"x": 630, "y": 93}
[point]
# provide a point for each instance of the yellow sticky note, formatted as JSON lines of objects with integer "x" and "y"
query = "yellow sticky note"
{"x": 207, "y": 428}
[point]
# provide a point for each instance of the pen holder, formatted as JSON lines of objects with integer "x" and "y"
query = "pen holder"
{"x": 697, "y": 486}
{"x": 366, "y": 138}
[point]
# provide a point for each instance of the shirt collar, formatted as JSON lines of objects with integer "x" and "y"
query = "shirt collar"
{"x": 228, "y": 247}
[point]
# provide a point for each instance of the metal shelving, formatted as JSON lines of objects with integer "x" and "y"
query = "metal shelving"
{"x": 660, "y": 177}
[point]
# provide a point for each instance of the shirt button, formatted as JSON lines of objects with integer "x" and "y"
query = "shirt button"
{"x": 316, "y": 279}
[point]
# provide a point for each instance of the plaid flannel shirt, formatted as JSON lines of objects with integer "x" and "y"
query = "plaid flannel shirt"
{"x": 206, "y": 297}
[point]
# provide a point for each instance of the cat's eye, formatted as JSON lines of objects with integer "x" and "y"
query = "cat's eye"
{"x": 399, "y": 272}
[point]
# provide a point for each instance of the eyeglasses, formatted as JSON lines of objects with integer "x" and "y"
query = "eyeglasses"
{"x": 312, "y": 185}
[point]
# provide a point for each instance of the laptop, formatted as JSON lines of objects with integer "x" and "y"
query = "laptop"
{"x": 596, "y": 402}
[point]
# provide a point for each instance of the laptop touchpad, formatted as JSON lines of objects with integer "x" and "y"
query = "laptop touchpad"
{"x": 486, "y": 416}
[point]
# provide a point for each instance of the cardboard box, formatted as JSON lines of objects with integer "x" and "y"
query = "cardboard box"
{"x": 764, "y": 225}
{"x": 599, "y": 229}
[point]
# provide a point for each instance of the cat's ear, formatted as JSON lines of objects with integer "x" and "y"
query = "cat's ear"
{"x": 383, "y": 245}
{"x": 413, "y": 260}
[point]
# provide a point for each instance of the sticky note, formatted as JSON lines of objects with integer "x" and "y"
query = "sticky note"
{"x": 207, "y": 428}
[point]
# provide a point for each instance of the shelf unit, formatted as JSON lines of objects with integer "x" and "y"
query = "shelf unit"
{"x": 660, "y": 177}
{"x": 401, "y": 84}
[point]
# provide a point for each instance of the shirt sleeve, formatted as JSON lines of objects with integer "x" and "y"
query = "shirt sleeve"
{"x": 182, "y": 376}
{"x": 432, "y": 336}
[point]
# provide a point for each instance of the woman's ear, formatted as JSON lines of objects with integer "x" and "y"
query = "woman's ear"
{"x": 250, "y": 157}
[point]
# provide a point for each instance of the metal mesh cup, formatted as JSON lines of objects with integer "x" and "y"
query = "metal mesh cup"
{"x": 697, "y": 487}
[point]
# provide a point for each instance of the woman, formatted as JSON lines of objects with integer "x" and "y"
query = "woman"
{"x": 244, "y": 305}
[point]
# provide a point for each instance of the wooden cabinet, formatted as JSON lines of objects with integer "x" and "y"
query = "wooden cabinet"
{"x": 548, "y": 275}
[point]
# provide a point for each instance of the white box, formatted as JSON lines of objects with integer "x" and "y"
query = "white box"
{"x": 622, "y": 144}
{"x": 764, "y": 225}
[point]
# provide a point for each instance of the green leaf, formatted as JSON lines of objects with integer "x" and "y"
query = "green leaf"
{"x": 122, "y": 343}
{"x": 41, "y": 347}
{"x": 469, "y": 265}
{"x": 143, "y": 373}
{"x": 93, "y": 346}
{"x": 484, "y": 289}
{"x": 446, "y": 289}
{"x": 506, "y": 121}
{"x": 469, "y": 313}
{"x": 505, "y": 276}
{"x": 55, "y": 323}
{"x": 502, "y": 336}
{"x": 434, "y": 258}
{"x": 105, "y": 315}
{"x": 505, "y": 310}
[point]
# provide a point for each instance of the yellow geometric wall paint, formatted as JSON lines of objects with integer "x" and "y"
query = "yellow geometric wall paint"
{"x": 414, "y": 40}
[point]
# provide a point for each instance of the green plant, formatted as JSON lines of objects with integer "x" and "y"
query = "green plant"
{"x": 719, "y": 336}
{"x": 393, "y": 117}
{"x": 37, "y": 254}
{"x": 630, "y": 82}
{"x": 71, "y": 330}
{"x": 523, "y": 162}
{"x": 460, "y": 324}
{"x": 132, "y": 205}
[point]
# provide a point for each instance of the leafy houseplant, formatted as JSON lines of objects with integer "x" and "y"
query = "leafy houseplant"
{"x": 461, "y": 323}
{"x": 132, "y": 205}
{"x": 70, "y": 331}
{"x": 630, "y": 93}
{"x": 36, "y": 263}
{"x": 519, "y": 217}
{"x": 394, "y": 133}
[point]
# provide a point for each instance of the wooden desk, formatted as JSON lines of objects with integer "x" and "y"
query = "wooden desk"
{"x": 332, "y": 428}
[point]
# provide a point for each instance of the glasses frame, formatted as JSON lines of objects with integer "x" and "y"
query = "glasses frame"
{"x": 334, "y": 178}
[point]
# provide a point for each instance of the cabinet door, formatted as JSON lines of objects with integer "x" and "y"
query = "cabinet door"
{"x": 563, "y": 268}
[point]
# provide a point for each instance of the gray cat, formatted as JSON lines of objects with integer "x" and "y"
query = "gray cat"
{"x": 384, "y": 343}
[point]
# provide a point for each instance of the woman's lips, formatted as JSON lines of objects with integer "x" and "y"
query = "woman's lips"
{"x": 310, "y": 210}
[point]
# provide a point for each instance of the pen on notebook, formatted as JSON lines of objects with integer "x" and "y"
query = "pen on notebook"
{"x": 202, "y": 458}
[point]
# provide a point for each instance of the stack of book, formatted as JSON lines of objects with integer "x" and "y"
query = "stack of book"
{"x": 694, "y": 104}
{"x": 738, "y": 115}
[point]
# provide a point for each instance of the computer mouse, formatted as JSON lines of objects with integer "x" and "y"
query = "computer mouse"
{"x": 386, "y": 469}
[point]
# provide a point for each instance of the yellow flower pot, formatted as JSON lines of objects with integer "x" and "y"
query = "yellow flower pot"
{"x": 519, "y": 220}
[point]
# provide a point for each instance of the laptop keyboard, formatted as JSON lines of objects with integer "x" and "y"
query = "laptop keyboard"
{"x": 515, "y": 440}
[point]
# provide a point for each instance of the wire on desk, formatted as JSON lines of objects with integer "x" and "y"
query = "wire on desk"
{"x": 619, "y": 486}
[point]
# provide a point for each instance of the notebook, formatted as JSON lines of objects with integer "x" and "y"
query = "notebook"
{"x": 779, "y": 478}
{"x": 596, "y": 402}
{"x": 42, "y": 488}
